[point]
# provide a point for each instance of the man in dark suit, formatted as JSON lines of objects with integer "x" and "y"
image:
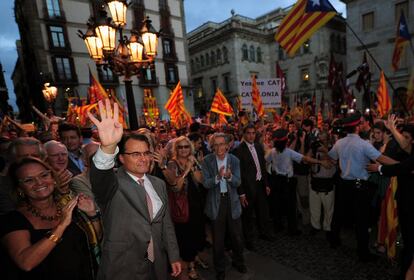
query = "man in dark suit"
{"x": 254, "y": 186}
{"x": 221, "y": 172}
{"x": 139, "y": 239}
{"x": 70, "y": 136}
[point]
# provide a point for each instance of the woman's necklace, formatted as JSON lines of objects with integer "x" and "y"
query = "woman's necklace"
{"x": 36, "y": 212}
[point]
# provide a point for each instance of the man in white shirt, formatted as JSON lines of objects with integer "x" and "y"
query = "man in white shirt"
{"x": 139, "y": 235}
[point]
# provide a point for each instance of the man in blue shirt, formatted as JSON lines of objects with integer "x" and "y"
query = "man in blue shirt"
{"x": 351, "y": 194}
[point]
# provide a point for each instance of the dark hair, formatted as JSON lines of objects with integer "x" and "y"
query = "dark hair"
{"x": 379, "y": 125}
{"x": 249, "y": 126}
{"x": 132, "y": 136}
{"x": 69, "y": 127}
{"x": 280, "y": 145}
{"x": 195, "y": 136}
{"x": 307, "y": 122}
{"x": 409, "y": 128}
{"x": 195, "y": 127}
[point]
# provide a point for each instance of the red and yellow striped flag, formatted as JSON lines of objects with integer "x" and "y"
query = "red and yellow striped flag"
{"x": 384, "y": 101}
{"x": 304, "y": 19}
{"x": 388, "y": 224}
{"x": 256, "y": 99}
{"x": 176, "y": 108}
{"x": 410, "y": 92}
{"x": 220, "y": 104}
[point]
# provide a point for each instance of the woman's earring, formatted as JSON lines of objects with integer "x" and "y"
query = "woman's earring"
{"x": 21, "y": 194}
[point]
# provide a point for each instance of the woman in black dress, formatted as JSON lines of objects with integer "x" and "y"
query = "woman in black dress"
{"x": 43, "y": 238}
{"x": 184, "y": 177}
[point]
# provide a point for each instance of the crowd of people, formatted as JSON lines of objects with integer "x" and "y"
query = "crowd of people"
{"x": 146, "y": 204}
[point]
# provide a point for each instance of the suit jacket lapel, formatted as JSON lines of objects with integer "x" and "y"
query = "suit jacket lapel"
{"x": 134, "y": 193}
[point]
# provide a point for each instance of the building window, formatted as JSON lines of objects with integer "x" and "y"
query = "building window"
{"x": 207, "y": 59}
{"x": 202, "y": 61}
{"x": 106, "y": 75}
{"x": 259, "y": 54}
{"x": 172, "y": 74}
{"x": 401, "y": 7}
{"x": 63, "y": 68}
{"x": 306, "y": 47}
{"x": 213, "y": 58}
{"x": 192, "y": 65}
{"x": 252, "y": 54}
{"x": 167, "y": 47}
{"x": 57, "y": 36}
{"x": 219, "y": 56}
{"x": 225, "y": 55}
{"x": 53, "y": 8}
{"x": 197, "y": 67}
{"x": 281, "y": 53}
{"x": 245, "y": 53}
{"x": 213, "y": 85}
{"x": 305, "y": 76}
{"x": 368, "y": 21}
{"x": 343, "y": 49}
{"x": 226, "y": 79}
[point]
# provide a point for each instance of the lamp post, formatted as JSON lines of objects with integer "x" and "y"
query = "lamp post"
{"x": 129, "y": 56}
{"x": 49, "y": 93}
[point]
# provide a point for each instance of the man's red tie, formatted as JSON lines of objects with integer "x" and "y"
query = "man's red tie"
{"x": 150, "y": 249}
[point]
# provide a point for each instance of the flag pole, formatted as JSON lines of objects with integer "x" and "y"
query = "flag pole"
{"x": 379, "y": 67}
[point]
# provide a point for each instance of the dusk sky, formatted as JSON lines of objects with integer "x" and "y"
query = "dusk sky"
{"x": 197, "y": 12}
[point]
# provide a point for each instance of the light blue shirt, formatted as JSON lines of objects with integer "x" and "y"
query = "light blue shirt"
{"x": 77, "y": 161}
{"x": 223, "y": 182}
{"x": 282, "y": 163}
{"x": 354, "y": 154}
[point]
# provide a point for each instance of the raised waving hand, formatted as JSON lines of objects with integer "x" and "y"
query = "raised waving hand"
{"x": 109, "y": 129}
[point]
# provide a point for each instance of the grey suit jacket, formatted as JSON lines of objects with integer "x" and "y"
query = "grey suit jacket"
{"x": 210, "y": 171}
{"x": 128, "y": 228}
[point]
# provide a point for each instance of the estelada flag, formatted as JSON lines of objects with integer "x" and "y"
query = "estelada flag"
{"x": 402, "y": 39}
{"x": 384, "y": 101}
{"x": 220, "y": 105}
{"x": 304, "y": 19}
{"x": 256, "y": 98}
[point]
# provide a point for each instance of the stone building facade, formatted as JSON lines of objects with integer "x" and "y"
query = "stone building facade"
{"x": 223, "y": 54}
{"x": 50, "y": 51}
{"x": 375, "y": 23}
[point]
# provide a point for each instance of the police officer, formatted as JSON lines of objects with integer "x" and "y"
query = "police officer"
{"x": 351, "y": 194}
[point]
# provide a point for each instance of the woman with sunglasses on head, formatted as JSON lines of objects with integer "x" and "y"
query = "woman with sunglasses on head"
{"x": 45, "y": 239}
{"x": 184, "y": 177}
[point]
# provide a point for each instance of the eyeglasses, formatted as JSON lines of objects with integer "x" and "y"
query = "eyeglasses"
{"x": 136, "y": 155}
{"x": 31, "y": 181}
{"x": 183, "y": 147}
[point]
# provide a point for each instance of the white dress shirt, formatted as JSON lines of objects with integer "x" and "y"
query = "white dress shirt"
{"x": 104, "y": 161}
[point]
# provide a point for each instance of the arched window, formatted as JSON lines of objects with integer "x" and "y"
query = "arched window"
{"x": 252, "y": 54}
{"x": 225, "y": 55}
{"x": 245, "y": 53}
{"x": 219, "y": 61}
{"x": 207, "y": 59}
{"x": 213, "y": 58}
{"x": 259, "y": 54}
{"x": 202, "y": 61}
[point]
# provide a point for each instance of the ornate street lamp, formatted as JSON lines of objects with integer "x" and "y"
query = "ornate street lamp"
{"x": 49, "y": 93}
{"x": 129, "y": 56}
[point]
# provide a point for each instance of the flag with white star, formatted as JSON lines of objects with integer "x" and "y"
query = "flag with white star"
{"x": 402, "y": 39}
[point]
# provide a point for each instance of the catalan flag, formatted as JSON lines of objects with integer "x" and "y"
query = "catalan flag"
{"x": 96, "y": 92}
{"x": 402, "y": 39}
{"x": 384, "y": 101}
{"x": 410, "y": 92}
{"x": 304, "y": 19}
{"x": 256, "y": 98}
{"x": 388, "y": 224}
{"x": 176, "y": 108}
{"x": 320, "y": 119}
{"x": 220, "y": 104}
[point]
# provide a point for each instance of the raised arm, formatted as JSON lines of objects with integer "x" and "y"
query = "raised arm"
{"x": 391, "y": 125}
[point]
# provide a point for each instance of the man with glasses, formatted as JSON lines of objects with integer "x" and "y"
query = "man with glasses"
{"x": 139, "y": 234}
{"x": 221, "y": 172}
